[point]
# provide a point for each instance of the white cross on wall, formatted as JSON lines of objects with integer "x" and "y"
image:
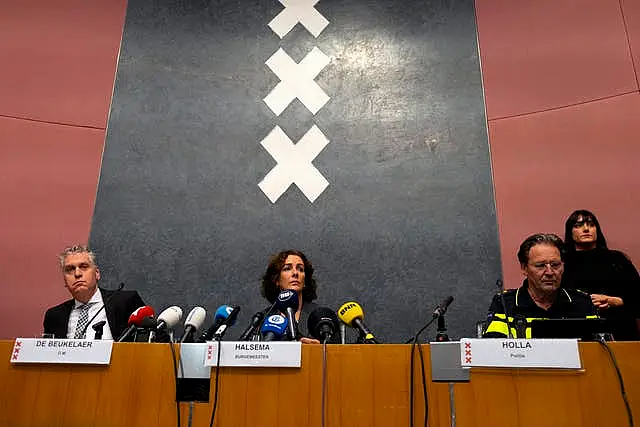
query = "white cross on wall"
{"x": 294, "y": 164}
{"x": 297, "y": 81}
{"x": 301, "y": 11}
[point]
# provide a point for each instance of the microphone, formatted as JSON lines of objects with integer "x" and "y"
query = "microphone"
{"x": 229, "y": 321}
{"x": 104, "y": 303}
{"x": 351, "y": 313}
{"x": 274, "y": 328}
{"x": 442, "y": 308}
{"x": 323, "y": 324}
{"x": 135, "y": 320}
{"x": 221, "y": 313}
{"x": 169, "y": 318}
{"x": 194, "y": 321}
{"x": 287, "y": 302}
{"x": 248, "y": 333}
{"x": 98, "y": 329}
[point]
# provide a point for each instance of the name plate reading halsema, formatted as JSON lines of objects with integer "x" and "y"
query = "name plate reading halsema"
{"x": 520, "y": 353}
{"x": 86, "y": 352}
{"x": 254, "y": 354}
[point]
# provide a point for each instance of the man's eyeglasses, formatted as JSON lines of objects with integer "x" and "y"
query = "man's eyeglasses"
{"x": 555, "y": 265}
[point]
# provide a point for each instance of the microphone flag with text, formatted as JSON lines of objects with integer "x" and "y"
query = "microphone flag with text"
{"x": 220, "y": 315}
{"x": 351, "y": 314}
{"x": 274, "y": 328}
{"x": 226, "y": 323}
{"x": 287, "y": 302}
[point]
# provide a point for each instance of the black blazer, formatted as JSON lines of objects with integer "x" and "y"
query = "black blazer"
{"x": 118, "y": 305}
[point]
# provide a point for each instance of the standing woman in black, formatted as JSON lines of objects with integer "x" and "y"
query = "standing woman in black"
{"x": 607, "y": 275}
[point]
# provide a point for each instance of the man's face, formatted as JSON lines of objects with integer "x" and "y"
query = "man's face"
{"x": 292, "y": 274}
{"x": 544, "y": 269}
{"x": 80, "y": 276}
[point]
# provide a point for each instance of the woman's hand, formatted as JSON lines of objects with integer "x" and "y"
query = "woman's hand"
{"x": 305, "y": 340}
{"x": 603, "y": 302}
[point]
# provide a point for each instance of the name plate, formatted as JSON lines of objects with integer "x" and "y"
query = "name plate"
{"x": 85, "y": 352}
{"x": 254, "y": 354}
{"x": 520, "y": 353}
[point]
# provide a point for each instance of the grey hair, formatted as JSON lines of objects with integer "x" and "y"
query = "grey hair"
{"x": 539, "y": 239}
{"x": 77, "y": 249}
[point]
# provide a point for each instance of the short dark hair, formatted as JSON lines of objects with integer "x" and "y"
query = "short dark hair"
{"x": 586, "y": 215}
{"x": 539, "y": 239}
{"x": 270, "y": 288}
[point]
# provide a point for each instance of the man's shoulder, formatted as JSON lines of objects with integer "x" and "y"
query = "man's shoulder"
{"x": 60, "y": 308}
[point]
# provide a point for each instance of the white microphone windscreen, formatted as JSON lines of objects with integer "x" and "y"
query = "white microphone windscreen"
{"x": 171, "y": 316}
{"x": 196, "y": 317}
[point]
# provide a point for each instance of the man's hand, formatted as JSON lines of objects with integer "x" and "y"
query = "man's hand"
{"x": 305, "y": 340}
{"x": 603, "y": 302}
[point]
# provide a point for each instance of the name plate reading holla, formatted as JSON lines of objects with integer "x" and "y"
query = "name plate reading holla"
{"x": 254, "y": 354}
{"x": 85, "y": 352}
{"x": 520, "y": 353}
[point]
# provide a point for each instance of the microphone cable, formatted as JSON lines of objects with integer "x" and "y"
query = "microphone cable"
{"x": 623, "y": 391}
{"x": 175, "y": 375}
{"x": 324, "y": 380}
{"x": 215, "y": 393}
{"x": 414, "y": 342}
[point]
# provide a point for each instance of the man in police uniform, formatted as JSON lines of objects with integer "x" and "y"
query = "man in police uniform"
{"x": 541, "y": 295}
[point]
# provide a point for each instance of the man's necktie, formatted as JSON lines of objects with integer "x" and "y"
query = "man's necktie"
{"x": 83, "y": 321}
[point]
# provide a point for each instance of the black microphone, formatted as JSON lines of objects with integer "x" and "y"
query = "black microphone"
{"x": 256, "y": 321}
{"x": 98, "y": 329}
{"x": 229, "y": 321}
{"x": 442, "y": 308}
{"x": 323, "y": 324}
{"x": 104, "y": 303}
{"x": 287, "y": 302}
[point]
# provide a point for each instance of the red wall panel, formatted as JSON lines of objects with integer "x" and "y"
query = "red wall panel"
{"x": 583, "y": 157}
{"x": 58, "y": 66}
{"x": 48, "y": 193}
{"x": 59, "y": 59}
{"x": 544, "y": 54}
{"x": 631, "y": 13}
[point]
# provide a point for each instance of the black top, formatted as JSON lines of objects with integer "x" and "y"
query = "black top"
{"x": 303, "y": 331}
{"x": 569, "y": 303}
{"x": 607, "y": 272}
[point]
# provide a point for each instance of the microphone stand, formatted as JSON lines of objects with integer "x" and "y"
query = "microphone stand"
{"x": 441, "y": 335}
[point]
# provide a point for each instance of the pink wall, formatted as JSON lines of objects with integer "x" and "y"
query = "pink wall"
{"x": 56, "y": 81}
{"x": 563, "y": 107}
{"x": 562, "y": 101}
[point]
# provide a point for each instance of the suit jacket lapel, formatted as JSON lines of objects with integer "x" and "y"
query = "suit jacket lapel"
{"x": 109, "y": 309}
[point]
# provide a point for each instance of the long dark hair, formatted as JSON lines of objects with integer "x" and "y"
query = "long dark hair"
{"x": 569, "y": 243}
{"x": 270, "y": 288}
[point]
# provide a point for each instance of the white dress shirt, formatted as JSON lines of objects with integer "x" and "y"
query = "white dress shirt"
{"x": 96, "y": 305}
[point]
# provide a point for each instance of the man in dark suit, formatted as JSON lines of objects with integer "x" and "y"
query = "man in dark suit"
{"x": 74, "y": 318}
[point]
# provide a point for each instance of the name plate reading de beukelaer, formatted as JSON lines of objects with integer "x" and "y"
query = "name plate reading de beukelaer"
{"x": 254, "y": 354}
{"x": 46, "y": 350}
{"x": 520, "y": 353}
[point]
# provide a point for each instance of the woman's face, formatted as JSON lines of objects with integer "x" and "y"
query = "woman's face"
{"x": 292, "y": 274}
{"x": 584, "y": 233}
